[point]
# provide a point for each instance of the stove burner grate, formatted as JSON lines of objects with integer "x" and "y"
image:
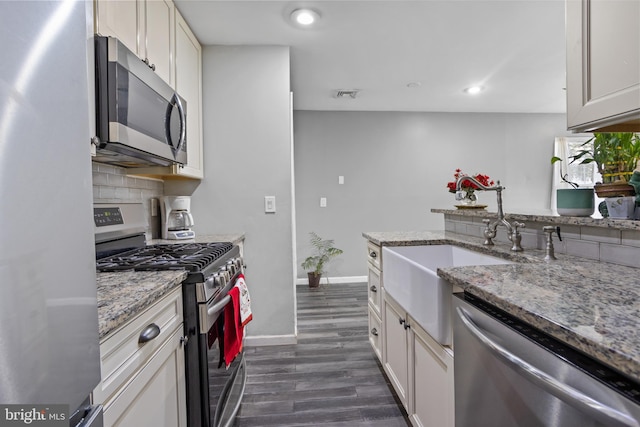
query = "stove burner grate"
{"x": 186, "y": 256}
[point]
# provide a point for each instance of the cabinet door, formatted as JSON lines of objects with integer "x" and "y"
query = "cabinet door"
{"x": 120, "y": 19}
{"x": 396, "y": 348}
{"x": 159, "y": 37}
{"x": 189, "y": 86}
{"x": 433, "y": 396}
{"x": 156, "y": 396}
{"x": 603, "y": 64}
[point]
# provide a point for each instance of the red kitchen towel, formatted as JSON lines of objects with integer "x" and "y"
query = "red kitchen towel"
{"x": 245, "y": 300}
{"x": 233, "y": 329}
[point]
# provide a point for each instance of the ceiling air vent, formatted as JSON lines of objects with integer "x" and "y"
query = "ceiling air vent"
{"x": 347, "y": 93}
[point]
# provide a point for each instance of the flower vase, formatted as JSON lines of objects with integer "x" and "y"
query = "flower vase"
{"x": 470, "y": 199}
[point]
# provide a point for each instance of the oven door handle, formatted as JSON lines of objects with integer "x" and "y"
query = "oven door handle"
{"x": 570, "y": 395}
{"x": 209, "y": 314}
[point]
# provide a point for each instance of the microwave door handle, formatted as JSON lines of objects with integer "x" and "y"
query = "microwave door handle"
{"x": 183, "y": 123}
{"x": 175, "y": 101}
{"x": 570, "y": 395}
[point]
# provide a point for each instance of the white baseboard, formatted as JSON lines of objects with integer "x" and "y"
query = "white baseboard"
{"x": 344, "y": 279}
{"x": 263, "y": 340}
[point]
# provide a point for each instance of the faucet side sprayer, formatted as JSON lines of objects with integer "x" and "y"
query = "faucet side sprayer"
{"x": 490, "y": 230}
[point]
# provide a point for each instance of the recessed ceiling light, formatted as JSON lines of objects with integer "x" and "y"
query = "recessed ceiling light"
{"x": 474, "y": 90}
{"x": 304, "y": 17}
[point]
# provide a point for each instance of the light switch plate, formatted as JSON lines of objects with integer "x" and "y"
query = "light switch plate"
{"x": 340, "y": 179}
{"x": 270, "y": 204}
{"x": 323, "y": 202}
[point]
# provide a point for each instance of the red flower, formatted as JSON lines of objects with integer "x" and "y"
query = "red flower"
{"x": 467, "y": 185}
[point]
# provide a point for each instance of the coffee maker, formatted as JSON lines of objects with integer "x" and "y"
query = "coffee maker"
{"x": 175, "y": 217}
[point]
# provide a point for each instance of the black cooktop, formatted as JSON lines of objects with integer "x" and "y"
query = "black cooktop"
{"x": 193, "y": 257}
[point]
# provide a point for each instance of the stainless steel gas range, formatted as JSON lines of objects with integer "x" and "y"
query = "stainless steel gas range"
{"x": 214, "y": 392}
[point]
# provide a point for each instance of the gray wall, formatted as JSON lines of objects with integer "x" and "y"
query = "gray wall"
{"x": 247, "y": 153}
{"x": 396, "y": 166}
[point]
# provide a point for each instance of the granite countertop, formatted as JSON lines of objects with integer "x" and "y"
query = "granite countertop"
{"x": 618, "y": 224}
{"x": 590, "y": 305}
{"x": 124, "y": 294}
{"x": 234, "y": 238}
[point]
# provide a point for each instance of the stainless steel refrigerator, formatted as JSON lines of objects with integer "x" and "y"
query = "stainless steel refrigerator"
{"x": 49, "y": 349}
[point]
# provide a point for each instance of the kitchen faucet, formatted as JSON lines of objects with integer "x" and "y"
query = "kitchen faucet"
{"x": 490, "y": 230}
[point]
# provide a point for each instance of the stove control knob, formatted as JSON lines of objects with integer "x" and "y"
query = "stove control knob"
{"x": 239, "y": 263}
{"x": 231, "y": 267}
{"x": 225, "y": 275}
{"x": 220, "y": 280}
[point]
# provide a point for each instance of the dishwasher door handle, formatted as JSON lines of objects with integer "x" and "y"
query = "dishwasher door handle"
{"x": 573, "y": 397}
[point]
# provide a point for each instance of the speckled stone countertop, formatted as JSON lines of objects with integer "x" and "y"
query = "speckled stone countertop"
{"x": 617, "y": 224}
{"x": 124, "y": 294}
{"x": 234, "y": 238}
{"x": 590, "y": 305}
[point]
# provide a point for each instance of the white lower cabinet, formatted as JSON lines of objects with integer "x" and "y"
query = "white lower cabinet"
{"x": 374, "y": 292}
{"x": 143, "y": 383}
{"x": 375, "y": 332}
{"x": 396, "y": 348}
{"x": 432, "y": 398}
{"x": 156, "y": 396}
{"x": 419, "y": 368}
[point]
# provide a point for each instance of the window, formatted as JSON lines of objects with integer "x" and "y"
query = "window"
{"x": 584, "y": 175}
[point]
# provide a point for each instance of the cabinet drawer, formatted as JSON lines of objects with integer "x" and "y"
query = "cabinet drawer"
{"x": 373, "y": 255}
{"x": 374, "y": 289}
{"x": 121, "y": 355}
{"x": 375, "y": 333}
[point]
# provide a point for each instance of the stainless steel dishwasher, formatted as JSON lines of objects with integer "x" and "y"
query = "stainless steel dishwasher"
{"x": 509, "y": 374}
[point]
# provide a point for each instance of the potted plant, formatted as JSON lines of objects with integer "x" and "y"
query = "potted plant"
{"x": 324, "y": 251}
{"x": 573, "y": 200}
{"x": 616, "y": 155}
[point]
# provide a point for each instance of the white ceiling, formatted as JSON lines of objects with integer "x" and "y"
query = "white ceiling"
{"x": 514, "y": 48}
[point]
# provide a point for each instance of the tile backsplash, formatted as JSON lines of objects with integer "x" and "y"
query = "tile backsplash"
{"x": 111, "y": 184}
{"x": 604, "y": 244}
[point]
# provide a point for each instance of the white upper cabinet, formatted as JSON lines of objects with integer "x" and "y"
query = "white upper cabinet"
{"x": 189, "y": 86}
{"x": 146, "y": 27}
{"x": 118, "y": 19}
{"x": 603, "y": 65}
{"x": 159, "y": 37}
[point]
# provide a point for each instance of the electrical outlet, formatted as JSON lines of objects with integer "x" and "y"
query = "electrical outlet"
{"x": 270, "y": 204}
{"x": 340, "y": 179}
{"x": 323, "y": 202}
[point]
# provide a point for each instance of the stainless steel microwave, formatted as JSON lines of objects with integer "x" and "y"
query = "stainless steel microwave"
{"x": 140, "y": 119}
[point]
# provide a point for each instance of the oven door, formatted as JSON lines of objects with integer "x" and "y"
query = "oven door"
{"x": 222, "y": 387}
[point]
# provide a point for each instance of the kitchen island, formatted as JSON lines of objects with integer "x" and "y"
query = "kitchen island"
{"x": 591, "y": 305}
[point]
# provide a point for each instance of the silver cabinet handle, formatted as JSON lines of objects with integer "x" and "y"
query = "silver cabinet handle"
{"x": 149, "y": 333}
{"x": 570, "y": 395}
{"x": 374, "y": 332}
{"x": 373, "y": 288}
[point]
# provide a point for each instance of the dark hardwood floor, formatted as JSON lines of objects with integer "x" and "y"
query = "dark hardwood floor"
{"x": 330, "y": 377}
